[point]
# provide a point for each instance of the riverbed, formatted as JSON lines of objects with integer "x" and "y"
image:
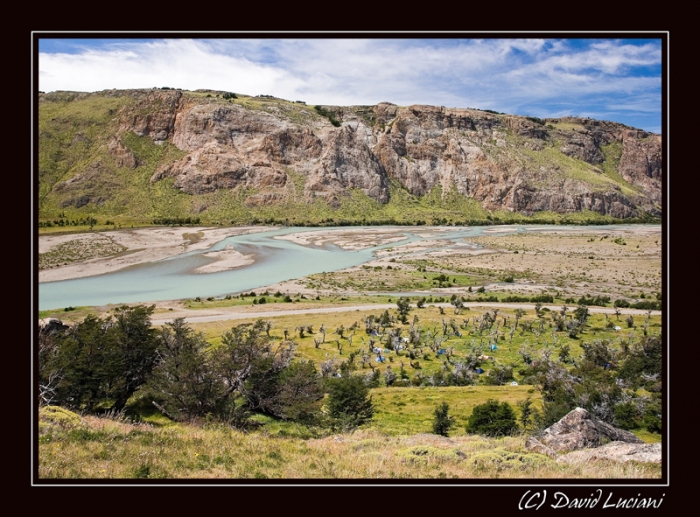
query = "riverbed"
{"x": 273, "y": 256}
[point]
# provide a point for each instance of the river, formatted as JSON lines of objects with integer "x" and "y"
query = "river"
{"x": 277, "y": 260}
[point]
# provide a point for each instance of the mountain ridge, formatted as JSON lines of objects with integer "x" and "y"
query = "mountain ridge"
{"x": 165, "y": 152}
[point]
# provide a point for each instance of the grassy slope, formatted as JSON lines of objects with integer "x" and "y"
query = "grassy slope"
{"x": 91, "y": 447}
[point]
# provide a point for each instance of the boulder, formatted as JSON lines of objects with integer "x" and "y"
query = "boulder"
{"x": 534, "y": 445}
{"x": 579, "y": 430}
{"x": 51, "y": 325}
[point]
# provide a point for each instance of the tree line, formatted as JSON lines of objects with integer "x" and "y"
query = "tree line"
{"x": 99, "y": 364}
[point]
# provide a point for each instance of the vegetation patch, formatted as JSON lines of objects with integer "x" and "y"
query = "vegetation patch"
{"x": 77, "y": 250}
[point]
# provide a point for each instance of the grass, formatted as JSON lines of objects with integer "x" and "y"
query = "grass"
{"x": 407, "y": 411}
{"x": 576, "y": 169}
{"x": 612, "y": 153}
{"x": 397, "y": 443}
{"x": 102, "y": 448}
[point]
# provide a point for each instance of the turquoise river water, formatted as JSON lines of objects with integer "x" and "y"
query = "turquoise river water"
{"x": 277, "y": 260}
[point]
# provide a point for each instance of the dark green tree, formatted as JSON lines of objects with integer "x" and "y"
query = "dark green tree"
{"x": 403, "y": 305}
{"x": 349, "y": 402}
{"x": 492, "y": 419}
{"x": 527, "y": 412}
{"x": 185, "y": 383}
{"x": 442, "y": 422}
{"x": 100, "y": 363}
{"x": 499, "y": 375}
{"x": 80, "y": 361}
{"x": 132, "y": 355}
{"x": 300, "y": 394}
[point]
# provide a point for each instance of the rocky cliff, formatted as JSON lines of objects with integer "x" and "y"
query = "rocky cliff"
{"x": 266, "y": 148}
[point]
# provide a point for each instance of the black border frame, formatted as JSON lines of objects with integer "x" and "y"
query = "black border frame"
{"x": 515, "y": 488}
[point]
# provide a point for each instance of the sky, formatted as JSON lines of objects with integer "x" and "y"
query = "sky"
{"x": 606, "y": 79}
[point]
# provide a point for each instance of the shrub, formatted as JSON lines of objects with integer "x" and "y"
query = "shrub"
{"x": 627, "y": 416}
{"x": 492, "y": 419}
{"x": 349, "y": 402}
{"x": 443, "y": 422}
{"x": 328, "y": 114}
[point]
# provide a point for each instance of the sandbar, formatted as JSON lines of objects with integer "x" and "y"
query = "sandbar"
{"x": 144, "y": 245}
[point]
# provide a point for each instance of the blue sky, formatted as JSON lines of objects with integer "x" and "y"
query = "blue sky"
{"x": 608, "y": 79}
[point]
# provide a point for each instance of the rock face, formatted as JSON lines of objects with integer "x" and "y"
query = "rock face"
{"x": 577, "y": 430}
{"x": 505, "y": 162}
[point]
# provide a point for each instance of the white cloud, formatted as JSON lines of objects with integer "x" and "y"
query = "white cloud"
{"x": 496, "y": 74}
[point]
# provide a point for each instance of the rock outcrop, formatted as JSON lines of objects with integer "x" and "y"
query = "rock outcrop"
{"x": 579, "y": 430}
{"x": 505, "y": 162}
{"x": 52, "y": 325}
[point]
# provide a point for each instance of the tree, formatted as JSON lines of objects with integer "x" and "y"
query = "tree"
{"x": 404, "y": 306}
{"x": 133, "y": 354}
{"x": 246, "y": 372}
{"x": 443, "y": 422}
{"x": 79, "y": 359}
{"x": 184, "y": 384}
{"x": 527, "y": 412}
{"x": 492, "y": 419}
{"x": 99, "y": 363}
{"x": 299, "y": 394}
{"x": 389, "y": 376}
{"x": 581, "y": 314}
{"x": 499, "y": 375}
{"x": 349, "y": 402}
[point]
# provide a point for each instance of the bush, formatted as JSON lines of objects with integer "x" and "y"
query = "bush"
{"x": 349, "y": 402}
{"x": 627, "y": 416}
{"x": 492, "y": 419}
{"x": 443, "y": 422}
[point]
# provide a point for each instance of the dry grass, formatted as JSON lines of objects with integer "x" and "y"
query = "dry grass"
{"x": 575, "y": 263}
{"x": 80, "y": 249}
{"x": 98, "y": 448}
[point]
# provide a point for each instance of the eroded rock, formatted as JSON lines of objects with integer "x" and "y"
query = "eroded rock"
{"x": 579, "y": 430}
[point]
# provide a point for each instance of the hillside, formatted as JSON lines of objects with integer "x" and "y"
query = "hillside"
{"x": 91, "y": 447}
{"x": 140, "y": 155}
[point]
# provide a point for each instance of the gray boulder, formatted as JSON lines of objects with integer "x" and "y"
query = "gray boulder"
{"x": 578, "y": 430}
